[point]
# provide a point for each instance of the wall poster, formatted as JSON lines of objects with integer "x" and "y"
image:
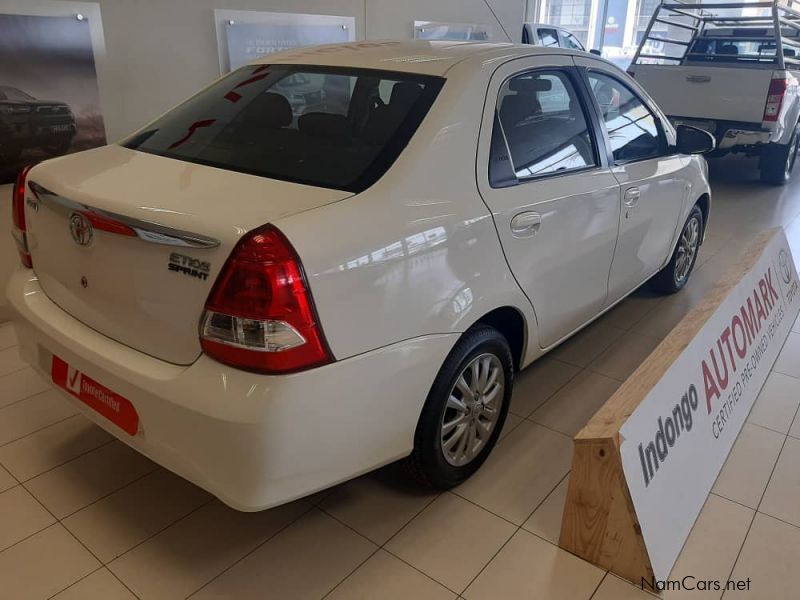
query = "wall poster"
{"x": 244, "y": 36}
{"x": 49, "y": 99}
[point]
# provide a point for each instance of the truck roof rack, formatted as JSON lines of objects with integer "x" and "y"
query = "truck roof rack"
{"x": 675, "y": 24}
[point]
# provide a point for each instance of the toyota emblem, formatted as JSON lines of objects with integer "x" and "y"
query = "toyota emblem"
{"x": 81, "y": 229}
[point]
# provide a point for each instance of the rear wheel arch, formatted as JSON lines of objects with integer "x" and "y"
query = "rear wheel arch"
{"x": 510, "y": 322}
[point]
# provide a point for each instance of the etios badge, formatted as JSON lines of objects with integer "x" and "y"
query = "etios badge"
{"x": 81, "y": 229}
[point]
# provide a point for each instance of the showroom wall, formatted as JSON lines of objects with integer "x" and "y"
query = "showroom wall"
{"x": 160, "y": 51}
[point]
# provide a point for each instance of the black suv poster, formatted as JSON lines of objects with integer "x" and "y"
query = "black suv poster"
{"x": 49, "y": 101}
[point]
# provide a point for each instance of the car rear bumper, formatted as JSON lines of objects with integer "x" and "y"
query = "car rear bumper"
{"x": 254, "y": 441}
{"x": 730, "y": 134}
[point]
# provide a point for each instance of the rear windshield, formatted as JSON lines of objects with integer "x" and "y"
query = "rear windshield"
{"x": 338, "y": 128}
{"x": 734, "y": 50}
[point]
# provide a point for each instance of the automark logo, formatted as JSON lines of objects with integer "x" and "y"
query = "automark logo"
{"x": 786, "y": 268}
{"x": 81, "y": 229}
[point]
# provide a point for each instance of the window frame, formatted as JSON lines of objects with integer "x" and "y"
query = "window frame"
{"x": 563, "y": 33}
{"x": 599, "y": 144}
{"x": 664, "y": 149}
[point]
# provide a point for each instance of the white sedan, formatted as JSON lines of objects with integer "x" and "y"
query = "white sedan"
{"x": 270, "y": 300}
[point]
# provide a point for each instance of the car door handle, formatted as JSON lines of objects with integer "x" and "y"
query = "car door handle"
{"x": 526, "y": 224}
{"x": 631, "y": 197}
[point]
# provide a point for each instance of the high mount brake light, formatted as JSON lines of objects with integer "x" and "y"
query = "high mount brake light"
{"x": 260, "y": 315}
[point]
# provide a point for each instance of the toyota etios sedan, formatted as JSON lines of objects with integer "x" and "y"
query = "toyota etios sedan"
{"x": 269, "y": 300}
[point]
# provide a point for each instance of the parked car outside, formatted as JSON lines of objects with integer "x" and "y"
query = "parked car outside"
{"x": 270, "y": 303}
{"x": 550, "y": 36}
{"x": 26, "y": 122}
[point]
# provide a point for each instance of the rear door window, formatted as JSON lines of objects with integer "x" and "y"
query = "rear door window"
{"x": 548, "y": 37}
{"x": 338, "y": 128}
{"x": 544, "y": 126}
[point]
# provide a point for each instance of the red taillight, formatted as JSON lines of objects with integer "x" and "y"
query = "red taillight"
{"x": 777, "y": 89}
{"x": 18, "y": 217}
{"x": 260, "y": 315}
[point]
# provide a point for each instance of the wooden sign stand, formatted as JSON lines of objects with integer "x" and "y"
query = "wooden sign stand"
{"x": 599, "y": 522}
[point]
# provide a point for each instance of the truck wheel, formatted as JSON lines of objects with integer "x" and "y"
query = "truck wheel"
{"x": 777, "y": 161}
{"x": 674, "y": 276}
{"x": 465, "y": 410}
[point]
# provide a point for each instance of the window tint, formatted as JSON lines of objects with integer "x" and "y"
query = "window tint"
{"x": 544, "y": 126}
{"x": 548, "y": 37}
{"x": 631, "y": 127}
{"x": 339, "y": 128}
{"x": 570, "y": 41}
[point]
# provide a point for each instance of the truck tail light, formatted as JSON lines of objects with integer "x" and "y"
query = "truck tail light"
{"x": 19, "y": 229}
{"x": 260, "y": 315}
{"x": 777, "y": 89}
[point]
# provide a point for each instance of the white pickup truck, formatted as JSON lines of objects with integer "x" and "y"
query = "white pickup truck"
{"x": 733, "y": 72}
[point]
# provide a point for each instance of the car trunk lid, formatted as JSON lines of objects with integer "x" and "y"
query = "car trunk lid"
{"x": 159, "y": 232}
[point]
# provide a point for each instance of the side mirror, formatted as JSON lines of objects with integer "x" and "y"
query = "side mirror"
{"x": 596, "y": 52}
{"x": 691, "y": 140}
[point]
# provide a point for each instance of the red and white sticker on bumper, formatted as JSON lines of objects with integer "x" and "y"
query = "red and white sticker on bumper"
{"x": 96, "y": 396}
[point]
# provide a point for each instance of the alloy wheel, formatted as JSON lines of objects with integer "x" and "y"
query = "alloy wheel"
{"x": 687, "y": 249}
{"x": 473, "y": 409}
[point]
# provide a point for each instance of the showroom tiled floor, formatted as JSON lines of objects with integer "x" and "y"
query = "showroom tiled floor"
{"x": 84, "y": 517}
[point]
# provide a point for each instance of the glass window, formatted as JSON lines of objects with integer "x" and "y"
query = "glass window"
{"x": 570, "y": 41}
{"x": 729, "y": 49}
{"x": 544, "y": 126}
{"x": 331, "y": 127}
{"x": 548, "y": 37}
{"x": 631, "y": 127}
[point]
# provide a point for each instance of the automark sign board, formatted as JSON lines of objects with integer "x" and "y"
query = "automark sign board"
{"x": 675, "y": 442}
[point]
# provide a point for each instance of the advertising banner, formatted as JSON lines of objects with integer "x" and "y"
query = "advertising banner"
{"x": 614, "y": 27}
{"x": 49, "y": 100}
{"x": 676, "y": 441}
{"x": 249, "y": 41}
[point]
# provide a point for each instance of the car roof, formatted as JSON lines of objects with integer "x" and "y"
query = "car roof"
{"x": 411, "y": 56}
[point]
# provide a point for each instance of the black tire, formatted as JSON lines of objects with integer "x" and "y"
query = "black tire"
{"x": 777, "y": 161}
{"x": 428, "y": 463}
{"x": 672, "y": 277}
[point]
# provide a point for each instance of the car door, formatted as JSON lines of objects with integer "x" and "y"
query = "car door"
{"x": 652, "y": 176}
{"x": 544, "y": 174}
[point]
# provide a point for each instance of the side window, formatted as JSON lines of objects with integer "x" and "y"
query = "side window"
{"x": 570, "y": 41}
{"x": 544, "y": 127}
{"x": 631, "y": 127}
{"x": 548, "y": 37}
